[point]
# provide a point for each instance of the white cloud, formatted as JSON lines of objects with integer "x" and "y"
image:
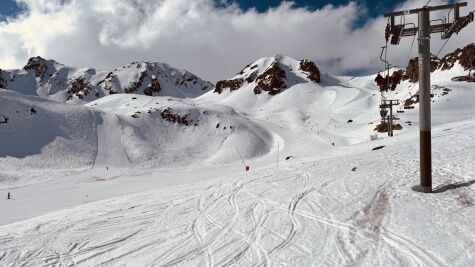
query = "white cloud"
{"x": 196, "y": 35}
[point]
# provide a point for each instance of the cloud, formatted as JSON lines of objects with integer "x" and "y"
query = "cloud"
{"x": 213, "y": 41}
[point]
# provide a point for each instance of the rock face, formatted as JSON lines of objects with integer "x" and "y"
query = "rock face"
{"x": 465, "y": 57}
{"x": 312, "y": 70}
{"x": 50, "y": 79}
{"x": 228, "y": 84}
{"x": 272, "y": 80}
{"x": 412, "y": 70}
{"x": 168, "y": 115}
{"x": 41, "y": 67}
{"x": 272, "y": 75}
{"x": 3, "y": 82}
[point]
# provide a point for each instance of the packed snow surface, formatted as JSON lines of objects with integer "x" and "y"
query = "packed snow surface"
{"x": 123, "y": 180}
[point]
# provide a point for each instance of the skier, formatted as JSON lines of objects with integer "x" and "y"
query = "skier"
{"x": 8, "y": 195}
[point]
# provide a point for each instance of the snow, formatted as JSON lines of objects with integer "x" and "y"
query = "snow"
{"x": 57, "y": 80}
{"x": 92, "y": 185}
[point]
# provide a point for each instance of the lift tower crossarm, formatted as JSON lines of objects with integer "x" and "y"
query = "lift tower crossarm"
{"x": 430, "y": 8}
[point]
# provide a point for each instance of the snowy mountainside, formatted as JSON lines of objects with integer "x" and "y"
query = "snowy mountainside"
{"x": 163, "y": 172}
{"x": 324, "y": 106}
{"x": 272, "y": 75}
{"x": 50, "y": 79}
{"x": 453, "y": 65}
{"x": 122, "y": 130}
{"x": 43, "y": 139}
{"x": 163, "y": 132}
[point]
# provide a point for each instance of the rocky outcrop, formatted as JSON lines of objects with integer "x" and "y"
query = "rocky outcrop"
{"x": 169, "y": 116}
{"x": 48, "y": 77}
{"x": 383, "y": 127}
{"x": 3, "y": 119}
{"x": 135, "y": 86}
{"x": 271, "y": 81}
{"x": 309, "y": 67}
{"x": 153, "y": 87}
{"x": 79, "y": 87}
{"x": 412, "y": 70}
{"x": 463, "y": 56}
{"x": 272, "y": 75}
{"x": 42, "y": 67}
{"x": 228, "y": 84}
{"x": 3, "y": 81}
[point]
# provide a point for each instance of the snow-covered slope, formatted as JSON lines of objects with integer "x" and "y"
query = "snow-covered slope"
{"x": 50, "y": 79}
{"x": 271, "y": 75}
{"x": 316, "y": 194}
{"x": 169, "y": 133}
{"x": 317, "y": 212}
{"x": 43, "y": 139}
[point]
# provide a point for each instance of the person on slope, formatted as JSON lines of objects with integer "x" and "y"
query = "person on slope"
{"x": 8, "y": 195}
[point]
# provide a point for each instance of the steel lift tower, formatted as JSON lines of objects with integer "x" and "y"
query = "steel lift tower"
{"x": 424, "y": 30}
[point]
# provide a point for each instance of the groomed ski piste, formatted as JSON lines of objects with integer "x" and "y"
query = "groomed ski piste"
{"x": 119, "y": 181}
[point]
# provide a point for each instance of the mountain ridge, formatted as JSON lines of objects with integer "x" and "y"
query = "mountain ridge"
{"x": 50, "y": 79}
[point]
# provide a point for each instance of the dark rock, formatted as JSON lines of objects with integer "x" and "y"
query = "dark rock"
{"x": 3, "y": 119}
{"x": 383, "y": 127}
{"x": 467, "y": 78}
{"x": 272, "y": 80}
{"x": 169, "y": 116}
{"x": 252, "y": 77}
{"x": 378, "y": 148}
{"x": 39, "y": 65}
{"x": 3, "y": 81}
{"x": 231, "y": 84}
{"x": 313, "y": 73}
{"x": 465, "y": 56}
{"x": 78, "y": 87}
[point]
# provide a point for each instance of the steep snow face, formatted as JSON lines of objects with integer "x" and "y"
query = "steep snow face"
{"x": 272, "y": 75}
{"x": 42, "y": 139}
{"x": 49, "y": 79}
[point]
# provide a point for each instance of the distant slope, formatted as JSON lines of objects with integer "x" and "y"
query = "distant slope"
{"x": 50, "y": 79}
{"x": 160, "y": 132}
{"x": 43, "y": 139}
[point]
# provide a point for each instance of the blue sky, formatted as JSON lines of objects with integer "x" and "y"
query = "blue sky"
{"x": 8, "y": 7}
{"x": 375, "y": 7}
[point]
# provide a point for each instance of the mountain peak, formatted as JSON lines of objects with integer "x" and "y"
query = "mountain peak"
{"x": 272, "y": 75}
{"x": 42, "y": 67}
{"x": 50, "y": 79}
